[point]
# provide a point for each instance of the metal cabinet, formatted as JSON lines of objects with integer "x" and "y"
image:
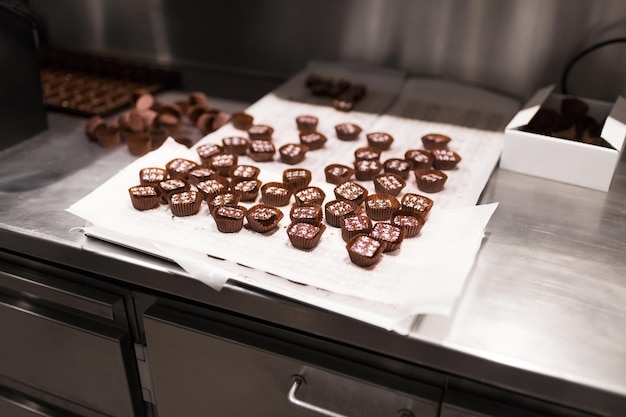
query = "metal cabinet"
{"x": 500, "y": 404}
{"x": 203, "y": 367}
{"x": 65, "y": 345}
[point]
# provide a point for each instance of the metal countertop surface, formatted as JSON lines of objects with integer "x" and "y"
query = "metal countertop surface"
{"x": 543, "y": 311}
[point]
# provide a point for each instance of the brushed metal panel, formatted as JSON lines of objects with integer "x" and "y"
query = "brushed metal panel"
{"x": 82, "y": 362}
{"x": 195, "y": 373}
{"x": 512, "y": 47}
{"x": 39, "y": 286}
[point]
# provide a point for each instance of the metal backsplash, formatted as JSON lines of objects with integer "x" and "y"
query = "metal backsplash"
{"x": 509, "y": 46}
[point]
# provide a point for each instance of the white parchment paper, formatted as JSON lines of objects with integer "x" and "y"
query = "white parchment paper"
{"x": 426, "y": 275}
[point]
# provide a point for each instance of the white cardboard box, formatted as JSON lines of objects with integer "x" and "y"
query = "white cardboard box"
{"x": 563, "y": 160}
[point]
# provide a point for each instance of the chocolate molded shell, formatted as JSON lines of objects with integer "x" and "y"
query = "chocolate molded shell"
{"x": 351, "y": 191}
{"x": 144, "y": 197}
{"x": 435, "y": 141}
{"x": 417, "y": 204}
{"x": 262, "y": 218}
{"x": 380, "y": 206}
{"x": 430, "y": 180}
{"x": 347, "y": 131}
{"x": 296, "y": 178}
{"x": 310, "y": 195}
{"x": 365, "y": 251}
{"x": 305, "y": 235}
{"x": 391, "y": 235}
{"x": 229, "y": 219}
{"x": 352, "y": 226}
{"x": 335, "y": 210}
{"x": 185, "y": 203}
{"x": 338, "y": 173}
{"x": 380, "y": 140}
{"x": 306, "y": 123}
{"x": 388, "y": 183}
{"x": 306, "y": 213}
{"x": 292, "y": 153}
{"x": 407, "y": 220}
{"x": 275, "y": 194}
{"x": 152, "y": 175}
{"x": 445, "y": 159}
{"x": 313, "y": 140}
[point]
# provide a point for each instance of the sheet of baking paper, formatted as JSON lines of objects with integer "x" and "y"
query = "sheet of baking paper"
{"x": 425, "y": 276}
{"x": 397, "y": 316}
{"x": 397, "y": 278}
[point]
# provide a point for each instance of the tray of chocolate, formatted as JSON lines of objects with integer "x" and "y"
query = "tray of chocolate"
{"x": 88, "y": 85}
{"x": 358, "y": 212}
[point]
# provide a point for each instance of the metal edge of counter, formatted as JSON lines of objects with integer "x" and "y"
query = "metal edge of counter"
{"x": 144, "y": 272}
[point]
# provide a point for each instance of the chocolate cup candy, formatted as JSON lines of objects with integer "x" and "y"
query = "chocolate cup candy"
{"x": 365, "y": 251}
{"x": 305, "y": 235}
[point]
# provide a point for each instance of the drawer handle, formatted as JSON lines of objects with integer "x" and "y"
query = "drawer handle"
{"x": 298, "y": 381}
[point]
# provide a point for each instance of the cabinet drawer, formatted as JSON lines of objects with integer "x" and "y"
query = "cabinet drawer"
{"x": 78, "y": 360}
{"x": 457, "y": 404}
{"x": 195, "y": 371}
{"x": 15, "y": 405}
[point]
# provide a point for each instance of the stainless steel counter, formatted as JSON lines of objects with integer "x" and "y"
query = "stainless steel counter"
{"x": 543, "y": 312}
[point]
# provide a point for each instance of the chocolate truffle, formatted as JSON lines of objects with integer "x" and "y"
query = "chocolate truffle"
{"x": 260, "y": 132}
{"x": 337, "y": 173}
{"x": 365, "y": 251}
{"x": 296, "y": 178}
{"x": 407, "y": 220}
{"x": 179, "y": 167}
{"x": 261, "y": 150}
{"x": 391, "y": 235}
{"x": 445, "y": 159}
{"x": 388, "y": 183}
{"x": 243, "y": 173}
{"x": 263, "y": 218}
{"x": 235, "y": 144}
{"x": 335, "y": 210}
{"x": 307, "y": 213}
{"x": 305, "y": 235}
{"x": 419, "y": 158}
{"x": 367, "y": 153}
{"x": 365, "y": 170}
{"x": 310, "y": 195}
{"x": 351, "y": 191}
{"x": 573, "y": 107}
{"x": 229, "y": 219}
{"x": 381, "y": 206}
{"x": 207, "y": 151}
{"x": 170, "y": 186}
{"x": 379, "y": 140}
{"x": 185, "y": 203}
{"x": 92, "y": 123}
{"x": 212, "y": 187}
{"x": 107, "y": 136}
{"x": 200, "y": 174}
{"x": 144, "y": 197}
{"x": 223, "y": 162}
{"x": 152, "y": 176}
{"x": 292, "y": 153}
{"x": 249, "y": 189}
{"x": 543, "y": 121}
{"x": 435, "y": 141}
{"x": 430, "y": 180}
{"x": 275, "y": 194}
{"x": 242, "y": 121}
{"x": 313, "y": 140}
{"x": 306, "y": 123}
{"x": 225, "y": 198}
{"x": 347, "y": 131}
{"x": 418, "y": 204}
{"x": 398, "y": 166}
{"x": 352, "y": 226}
